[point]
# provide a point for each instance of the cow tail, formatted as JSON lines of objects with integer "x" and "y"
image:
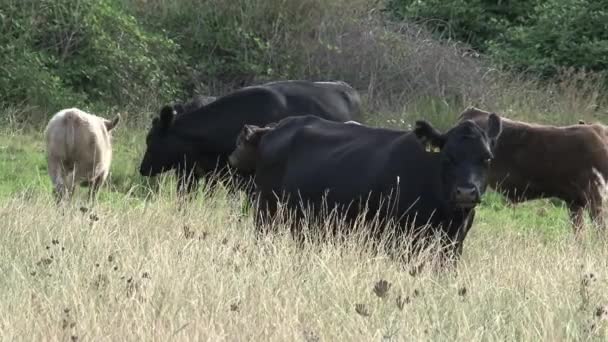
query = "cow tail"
{"x": 70, "y": 132}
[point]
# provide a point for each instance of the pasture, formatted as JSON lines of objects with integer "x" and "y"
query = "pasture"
{"x": 135, "y": 268}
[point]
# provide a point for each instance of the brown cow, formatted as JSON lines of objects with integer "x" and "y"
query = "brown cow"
{"x": 78, "y": 150}
{"x": 534, "y": 161}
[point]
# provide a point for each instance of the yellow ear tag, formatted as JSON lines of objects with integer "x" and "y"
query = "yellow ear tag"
{"x": 432, "y": 149}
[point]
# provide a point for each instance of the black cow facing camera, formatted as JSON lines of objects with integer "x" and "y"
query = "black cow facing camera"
{"x": 322, "y": 165}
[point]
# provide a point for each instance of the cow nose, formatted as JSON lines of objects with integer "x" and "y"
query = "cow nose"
{"x": 466, "y": 194}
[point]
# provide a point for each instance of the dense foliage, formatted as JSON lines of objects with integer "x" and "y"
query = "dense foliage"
{"x": 55, "y": 52}
{"x": 139, "y": 54}
{"x": 540, "y": 36}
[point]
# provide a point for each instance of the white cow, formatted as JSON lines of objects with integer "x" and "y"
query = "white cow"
{"x": 78, "y": 150}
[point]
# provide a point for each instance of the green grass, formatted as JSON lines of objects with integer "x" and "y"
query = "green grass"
{"x": 136, "y": 268}
{"x": 22, "y": 163}
{"x": 23, "y": 170}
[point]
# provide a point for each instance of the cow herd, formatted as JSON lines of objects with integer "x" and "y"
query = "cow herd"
{"x": 298, "y": 147}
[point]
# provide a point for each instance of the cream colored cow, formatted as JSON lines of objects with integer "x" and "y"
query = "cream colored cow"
{"x": 78, "y": 150}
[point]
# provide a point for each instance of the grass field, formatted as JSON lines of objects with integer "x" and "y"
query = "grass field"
{"x": 136, "y": 268}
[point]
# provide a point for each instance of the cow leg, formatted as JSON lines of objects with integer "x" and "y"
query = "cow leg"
{"x": 70, "y": 184}
{"x": 55, "y": 169}
{"x": 576, "y": 217}
{"x": 94, "y": 186}
{"x": 462, "y": 234}
{"x": 452, "y": 253}
{"x": 266, "y": 209}
{"x": 596, "y": 212}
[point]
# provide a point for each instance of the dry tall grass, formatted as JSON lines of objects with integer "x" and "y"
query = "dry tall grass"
{"x": 135, "y": 270}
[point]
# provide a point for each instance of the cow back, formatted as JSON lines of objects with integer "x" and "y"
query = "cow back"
{"x": 388, "y": 169}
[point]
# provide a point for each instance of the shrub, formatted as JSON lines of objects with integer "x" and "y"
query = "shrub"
{"x": 560, "y": 33}
{"x": 475, "y": 22}
{"x": 536, "y": 36}
{"x": 229, "y": 44}
{"x": 59, "y": 53}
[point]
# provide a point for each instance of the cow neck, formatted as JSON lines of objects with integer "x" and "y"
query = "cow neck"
{"x": 200, "y": 144}
{"x": 513, "y": 135}
{"x": 431, "y": 180}
{"x": 437, "y": 184}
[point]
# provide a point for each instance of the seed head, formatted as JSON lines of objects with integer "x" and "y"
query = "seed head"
{"x": 381, "y": 288}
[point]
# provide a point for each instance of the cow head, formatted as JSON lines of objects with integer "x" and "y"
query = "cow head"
{"x": 465, "y": 153}
{"x": 161, "y": 150}
{"x": 244, "y": 156}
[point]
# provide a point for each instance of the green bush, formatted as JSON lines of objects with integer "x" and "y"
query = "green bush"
{"x": 475, "y": 22}
{"x": 59, "y": 53}
{"x": 560, "y": 33}
{"x": 229, "y": 44}
{"x": 538, "y": 36}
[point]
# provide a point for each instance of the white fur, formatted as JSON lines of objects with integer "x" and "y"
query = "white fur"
{"x": 78, "y": 150}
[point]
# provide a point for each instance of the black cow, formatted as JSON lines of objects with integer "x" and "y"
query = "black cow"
{"x": 198, "y": 142}
{"x": 336, "y": 99}
{"x": 321, "y": 165}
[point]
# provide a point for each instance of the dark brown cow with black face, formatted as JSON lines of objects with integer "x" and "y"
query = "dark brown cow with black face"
{"x": 533, "y": 161}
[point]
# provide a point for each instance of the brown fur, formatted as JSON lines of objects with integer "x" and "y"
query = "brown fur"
{"x": 534, "y": 161}
{"x": 78, "y": 150}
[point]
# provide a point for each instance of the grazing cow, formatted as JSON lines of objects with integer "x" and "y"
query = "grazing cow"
{"x": 198, "y": 143}
{"x": 319, "y": 98}
{"x": 323, "y": 165}
{"x": 78, "y": 150}
{"x": 534, "y": 161}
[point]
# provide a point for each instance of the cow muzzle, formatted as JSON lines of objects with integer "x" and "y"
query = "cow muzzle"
{"x": 465, "y": 197}
{"x": 233, "y": 160}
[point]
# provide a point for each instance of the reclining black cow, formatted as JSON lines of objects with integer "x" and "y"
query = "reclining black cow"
{"x": 321, "y": 165}
{"x": 197, "y": 143}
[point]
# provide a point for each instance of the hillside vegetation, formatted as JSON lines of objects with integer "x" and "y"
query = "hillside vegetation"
{"x": 113, "y": 55}
{"x": 537, "y": 36}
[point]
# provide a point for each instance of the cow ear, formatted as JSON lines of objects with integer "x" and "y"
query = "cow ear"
{"x": 250, "y": 131}
{"x": 167, "y": 114}
{"x": 179, "y": 108}
{"x": 112, "y": 124}
{"x": 494, "y": 126}
{"x": 582, "y": 122}
{"x": 428, "y": 135}
{"x": 253, "y": 133}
